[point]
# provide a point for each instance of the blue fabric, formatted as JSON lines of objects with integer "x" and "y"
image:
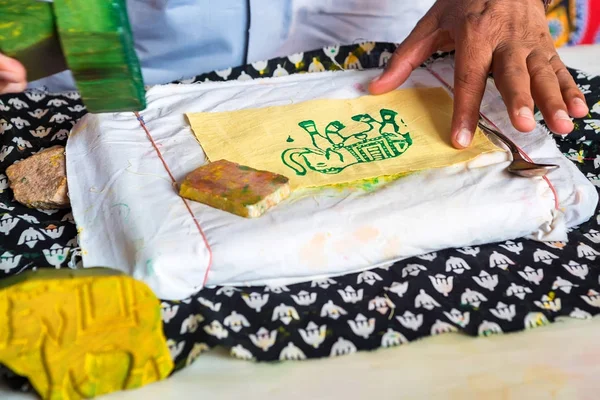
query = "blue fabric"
{"x": 177, "y": 39}
{"x": 270, "y": 24}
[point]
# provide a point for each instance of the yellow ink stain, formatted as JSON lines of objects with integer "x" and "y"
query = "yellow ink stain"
{"x": 391, "y": 247}
{"x": 482, "y": 386}
{"x": 365, "y": 235}
{"x": 368, "y": 185}
{"x": 313, "y": 253}
{"x": 342, "y": 246}
{"x": 56, "y": 159}
{"x": 79, "y": 127}
{"x": 545, "y": 379}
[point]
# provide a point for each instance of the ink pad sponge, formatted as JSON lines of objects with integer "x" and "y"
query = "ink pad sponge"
{"x": 234, "y": 188}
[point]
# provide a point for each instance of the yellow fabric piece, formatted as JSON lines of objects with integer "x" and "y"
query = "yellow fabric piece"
{"x": 328, "y": 142}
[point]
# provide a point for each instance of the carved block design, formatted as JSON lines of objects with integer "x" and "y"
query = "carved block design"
{"x": 80, "y": 334}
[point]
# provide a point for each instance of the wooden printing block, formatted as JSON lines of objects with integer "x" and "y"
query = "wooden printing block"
{"x": 81, "y": 333}
{"x": 28, "y": 33}
{"x": 90, "y": 37}
{"x": 234, "y": 188}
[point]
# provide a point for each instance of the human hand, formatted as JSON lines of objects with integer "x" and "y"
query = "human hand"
{"x": 13, "y": 78}
{"x": 511, "y": 39}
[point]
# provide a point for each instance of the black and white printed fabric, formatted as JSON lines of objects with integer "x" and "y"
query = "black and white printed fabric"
{"x": 483, "y": 290}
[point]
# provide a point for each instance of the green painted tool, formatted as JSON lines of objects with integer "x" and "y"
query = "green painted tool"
{"x": 92, "y": 38}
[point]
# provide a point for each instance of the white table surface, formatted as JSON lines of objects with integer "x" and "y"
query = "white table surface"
{"x": 561, "y": 361}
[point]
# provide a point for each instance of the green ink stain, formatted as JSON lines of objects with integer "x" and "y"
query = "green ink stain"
{"x": 123, "y": 210}
{"x": 149, "y": 268}
{"x": 289, "y": 139}
{"x": 283, "y": 332}
{"x": 369, "y": 185}
{"x": 332, "y": 151}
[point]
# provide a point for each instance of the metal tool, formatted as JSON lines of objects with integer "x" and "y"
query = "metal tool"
{"x": 519, "y": 165}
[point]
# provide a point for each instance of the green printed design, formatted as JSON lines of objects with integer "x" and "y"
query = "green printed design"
{"x": 333, "y": 152}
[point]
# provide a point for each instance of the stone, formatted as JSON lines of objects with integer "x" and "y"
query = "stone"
{"x": 40, "y": 181}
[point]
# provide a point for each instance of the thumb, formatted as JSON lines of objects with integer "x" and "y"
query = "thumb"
{"x": 13, "y": 77}
{"x": 416, "y": 48}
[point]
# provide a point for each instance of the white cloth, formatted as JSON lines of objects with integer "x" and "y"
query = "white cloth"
{"x": 131, "y": 218}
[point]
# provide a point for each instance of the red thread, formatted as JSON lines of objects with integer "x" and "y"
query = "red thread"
{"x": 160, "y": 156}
{"x": 523, "y": 153}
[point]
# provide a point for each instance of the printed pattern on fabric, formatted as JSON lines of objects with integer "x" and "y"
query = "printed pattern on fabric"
{"x": 574, "y": 22}
{"x": 485, "y": 290}
{"x": 365, "y": 140}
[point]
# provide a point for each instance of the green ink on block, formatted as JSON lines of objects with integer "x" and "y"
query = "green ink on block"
{"x": 24, "y": 24}
{"x": 122, "y": 209}
{"x": 28, "y": 33}
{"x": 333, "y": 152}
{"x": 289, "y": 139}
{"x": 90, "y": 37}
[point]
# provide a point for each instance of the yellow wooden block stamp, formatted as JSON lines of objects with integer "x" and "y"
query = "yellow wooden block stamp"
{"x": 79, "y": 334}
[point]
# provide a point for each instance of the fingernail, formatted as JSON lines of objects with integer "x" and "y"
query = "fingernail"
{"x": 578, "y": 102}
{"x": 562, "y": 114}
{"x": 376, "y": 79}
{"x": 525, "y": 112}
{"x": 464, "y": 137}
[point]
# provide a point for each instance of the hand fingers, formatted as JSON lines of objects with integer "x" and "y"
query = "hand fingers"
{"x": 572, "y": 96}
{"x": 12, "y": 75}
{"x": 12, "y": 87}
{"x": 547, "y": 94}
{"x": 472, "y": 64}
{"x": 417, "y": 47}
{"x": 512, "y": 80}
